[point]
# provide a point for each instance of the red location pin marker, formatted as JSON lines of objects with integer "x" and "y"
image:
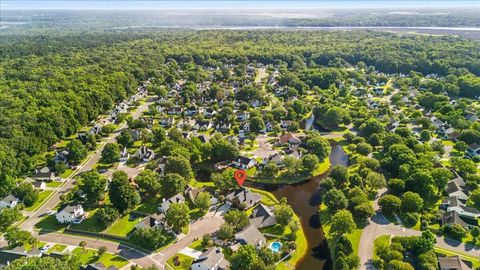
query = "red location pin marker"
{"x": 240, "y": 176}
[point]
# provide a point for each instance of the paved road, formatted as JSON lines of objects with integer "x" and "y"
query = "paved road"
{"x": 209, "y": 224}
{"x": 379, "y": 225}
{"x": 92, "y": 159}
{"x": 135, "y": 256}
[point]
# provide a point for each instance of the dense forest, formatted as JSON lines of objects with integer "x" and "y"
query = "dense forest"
{"x": 51, "y": 86}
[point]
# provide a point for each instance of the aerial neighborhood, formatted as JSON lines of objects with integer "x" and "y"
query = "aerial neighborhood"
{"x": 350, "y": 157}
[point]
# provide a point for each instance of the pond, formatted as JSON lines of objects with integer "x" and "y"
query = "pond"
{"x": 305, "y": 199}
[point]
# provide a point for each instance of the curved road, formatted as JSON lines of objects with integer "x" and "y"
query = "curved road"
{"x": 379, "y": 225}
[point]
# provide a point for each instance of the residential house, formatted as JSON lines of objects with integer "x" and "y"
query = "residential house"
{"x": 192, "y": 194}
{"x": 452, "y": 263}
{"x": 456, "y": 205}
{"x": 251, "y": 236}
{"x": 151, "y": 221}
{"x": 451, "y": 218}
{"x": 124, "y": 155}
{"x": 244, "y": 127}
{"x": 289, "y": 138}
{"x": 268, "y": 127}
{"x": 457, "y": 188}
{"x": 40, "y": 185}
{"x": 9, "y": 201}
{"x": 61, "y": 156}
{"x": 285, "y": 124}
{"x": 97, "y": 266}
{"x": 144, "y": 153}
{"x": 242, "y": 115}
{"x": 167, "y": 122}
{"x": 43, "y": 174}
{"x": 243, "y": 196}
{"x": 211, "y": 259}
{"x": 275, "y": 158}
{"x": 192, "y": 110}
{"x": 263, "y": 216}
{"x": 203, "y": 125}
{"x": 473, "y": 150}
{"x": 71, "y": 214}
{"x": 244, "y": 162}
{"x": 136, "y": 134}
{"x": 223, "y": 127}
{"x": 451, "y": 134}
{"x": 209, "y": 112}
{"x": 203, "y": 138}
{"x": 7, "y": 256}
{"x": 179, "y": 198}
{"x": 175, "y": 110}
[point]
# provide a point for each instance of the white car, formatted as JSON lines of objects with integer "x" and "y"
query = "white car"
{"x": 45, "y": 248}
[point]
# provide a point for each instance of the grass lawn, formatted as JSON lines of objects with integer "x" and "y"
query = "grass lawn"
{"x": 123, "y": 226}
{"x": 464, "y": 256}
{"x": 50, "y": 223}
{"x": 381, "y": 241}
{"x": 89, "y": 256}
{"x": 322, "y": 167}
{"x": 41, "y": 198}
{"x": 185, "y": 262}
{"x": 325, "y": 218}
{"x": 67, "y": 173}
{"x": 300, "y": 251}
{"x": 198, "y": 245}
{"x": 59, "y": 248}
{"x": 54, "y": 184}
{"x": 150, "y": 206}
{"x": 90, "y": 224}
{"x": 267, "y": 197}
{"x": 291, "y": 179}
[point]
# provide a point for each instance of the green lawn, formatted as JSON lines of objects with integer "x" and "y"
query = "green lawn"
{"x": 150, "y": 206}
{"x": 123, "y": 226}
{"x": 185, "y": 262}
{"x": 198, "y": 245}
{"x": 381, "y": 241}
{"x": 299, "y": 252}
{"x": 59, "y": 248}
{"x": 49, "y": 223}
{"x": 267, "y": 197}
{"x": 90, "y": 224}
{"x": 41, "y": 198}
{"x": 54, "y": 184}
{"x": 89, "y": 256}
{"x": 67, "y": 173}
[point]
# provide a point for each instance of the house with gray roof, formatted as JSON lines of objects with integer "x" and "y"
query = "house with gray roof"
{"x": 243, "y": 196}
{"x": 9, "y": 201}
{"x": 452, "y": 263}
{"x": 211, "y": 259}
{"x": 263, "y": 216}
{"x": 250, "y": 235}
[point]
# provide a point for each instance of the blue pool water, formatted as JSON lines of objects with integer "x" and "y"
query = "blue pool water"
{"x": 275, "y": 246}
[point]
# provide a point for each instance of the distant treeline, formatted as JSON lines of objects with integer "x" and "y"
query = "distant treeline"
{"x": 52, "y": 85}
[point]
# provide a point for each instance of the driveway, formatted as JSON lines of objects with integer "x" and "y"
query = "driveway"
{"x": 379, "y": 225}
{"x": 208, "y": 224}
{"x": 133, "y": 255}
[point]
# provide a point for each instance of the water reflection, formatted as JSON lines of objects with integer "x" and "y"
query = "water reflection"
{"x": 305, "y": 200}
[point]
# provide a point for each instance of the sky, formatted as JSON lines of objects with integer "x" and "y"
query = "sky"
{"x": 221, "y": 4}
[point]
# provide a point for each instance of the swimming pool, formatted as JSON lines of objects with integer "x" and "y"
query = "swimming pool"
{"x": 275, "y": 246}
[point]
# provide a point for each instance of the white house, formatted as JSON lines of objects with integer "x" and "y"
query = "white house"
{"x": 71, "y": 214}
{"x": 40, "y": 185}
{"x": 9, "y": 201}
{"x": 243, "y": 162}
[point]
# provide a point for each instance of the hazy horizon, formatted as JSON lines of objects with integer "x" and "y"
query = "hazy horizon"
{"x": 228, "y": 5}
